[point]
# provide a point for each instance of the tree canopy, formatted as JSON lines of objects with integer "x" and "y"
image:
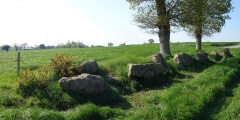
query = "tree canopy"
{"x": 157, "y": 16}
{"x": 5, "y": 47}
{"x": 204, "y": 17}
{"x": 110, "y": 44}
{"x": 42, "y": 46}
{"x": 151, "y": 41}
{"x": 198, "y": 17}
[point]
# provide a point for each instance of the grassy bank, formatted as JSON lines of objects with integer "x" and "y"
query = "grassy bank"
{"x": 196, "y": 92}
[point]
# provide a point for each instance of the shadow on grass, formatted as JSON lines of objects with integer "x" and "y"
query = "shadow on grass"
{"x": 180, "y": 76}
{"x": 55, "y": 98}
{"x": 109, "y": 98}
{"x": 197, "y": 67}
{"x": 215, "y": 106}
{"x": 219, "y": 99}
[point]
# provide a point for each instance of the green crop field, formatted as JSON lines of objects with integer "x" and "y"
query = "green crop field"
{"x": 202, "y": 91}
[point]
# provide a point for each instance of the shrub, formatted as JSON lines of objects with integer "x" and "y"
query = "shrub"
{"x": 38, "y": 83}
{"x": 29, "y": 81}
{"x": 64, "y": 66}
{"x": 223, "y": 44}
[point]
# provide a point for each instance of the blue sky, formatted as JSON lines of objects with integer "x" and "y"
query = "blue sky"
{"x": 94, "y": 22}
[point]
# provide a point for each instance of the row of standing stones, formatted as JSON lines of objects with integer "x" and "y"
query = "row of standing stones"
{"x": 160, "y": 65}
{"x": 90, "y": 83}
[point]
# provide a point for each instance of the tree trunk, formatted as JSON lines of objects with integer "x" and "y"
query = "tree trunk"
{"x": 198, "y": 36}
{"x": 199, "y": 42}
{"x": 164, "y": 38}
{"x": 164, "y": 27}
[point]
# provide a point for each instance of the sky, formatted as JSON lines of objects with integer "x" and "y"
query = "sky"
{"x": 93, "y": 22}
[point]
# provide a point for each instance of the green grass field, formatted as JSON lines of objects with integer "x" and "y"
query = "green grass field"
{"x": 198, "y": 92}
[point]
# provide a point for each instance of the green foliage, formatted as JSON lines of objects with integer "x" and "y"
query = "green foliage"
{"x": 190, "y": 92}
{"x": 151, "y": 41}
{"x": 110, "y": 44}
{"x": 54, "y": 98}
{"x": 41, "y": 84}
{"x": 6, "y": 47}
{"x": 30, "y": 114}
{"x": 10, "y": 99}
{"x": 64, "y": 66}
{"x": 72, "y": 44}
{"x": 232, "y": 110}
{"x": 88, "y": 111}
{"x": 92, "y": 112}
{"x": 222, "y": 44}
{"x": 49, "y": 94}
{"x": 29, "y": 81}
{"x": 192, "y": 99}
{"x": 42, "y": 46}
{"x": 205, "y": 18}
{"x": 151, "y": 14}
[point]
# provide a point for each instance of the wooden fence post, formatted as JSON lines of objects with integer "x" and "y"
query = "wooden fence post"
{"x": 18, "y": 64}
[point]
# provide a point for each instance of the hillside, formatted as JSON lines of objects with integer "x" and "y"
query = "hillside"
{"x": 202, "y": 91}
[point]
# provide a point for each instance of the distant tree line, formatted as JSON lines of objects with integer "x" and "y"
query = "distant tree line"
{"x": 69, "y": 44}
{"x": 25, "y": 46}
{"x": 72, "y": 44}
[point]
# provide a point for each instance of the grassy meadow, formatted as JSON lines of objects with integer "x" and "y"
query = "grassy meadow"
{"x": 202, "y": 91}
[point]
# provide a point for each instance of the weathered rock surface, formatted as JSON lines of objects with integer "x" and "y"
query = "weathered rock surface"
{"x": 216, "y": 55}
{"x": 145, "y": 70}
{"x": 84, "y": 84}
{"x": 226, "y": 52}
{"x": 90, "y": 67}
{"x": 203, "y": 57}
{"x": 159, "y": 59}
{"x": 183, "y": 59}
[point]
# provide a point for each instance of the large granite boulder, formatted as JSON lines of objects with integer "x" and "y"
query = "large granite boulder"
{"x": 90, "y": 67}
{"x": 216, "y": 55}
{"x": 145, "y": 70}
{"x": 84, "y": 84}
{"x": 183, "y": 59}
{"x": 159, "y": 59}
{"x": 203, "y": 57}
{"x": 226, "y": 52}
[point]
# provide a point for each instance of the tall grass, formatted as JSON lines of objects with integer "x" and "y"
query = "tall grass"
{"x": 232, "y": 111}
{"x": 188, "y": 101}
{"x": 88, "y": 111}
{"x": 174, "y": 100}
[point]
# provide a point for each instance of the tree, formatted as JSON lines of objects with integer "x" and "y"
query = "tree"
{"x": 204, "y": 17}
{"x": 5, "y": 47}
{"x": 156, "y": 16}
{"x": 123, "y": 44}
{"x": 151, "y": 41}
{"x": 110, "y": 44}
{"x": 15, "y": 45}
{"x": 42, "y": 46}
{"x": 24, "y": 45}
{"x": 36, "y": 47}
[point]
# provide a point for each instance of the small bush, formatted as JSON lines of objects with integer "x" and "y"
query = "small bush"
{"x": 29, "y": 81}
{"x": 64, "y": 66}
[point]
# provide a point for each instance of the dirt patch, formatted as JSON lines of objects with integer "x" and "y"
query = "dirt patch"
{"x": 234, "y": 46}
